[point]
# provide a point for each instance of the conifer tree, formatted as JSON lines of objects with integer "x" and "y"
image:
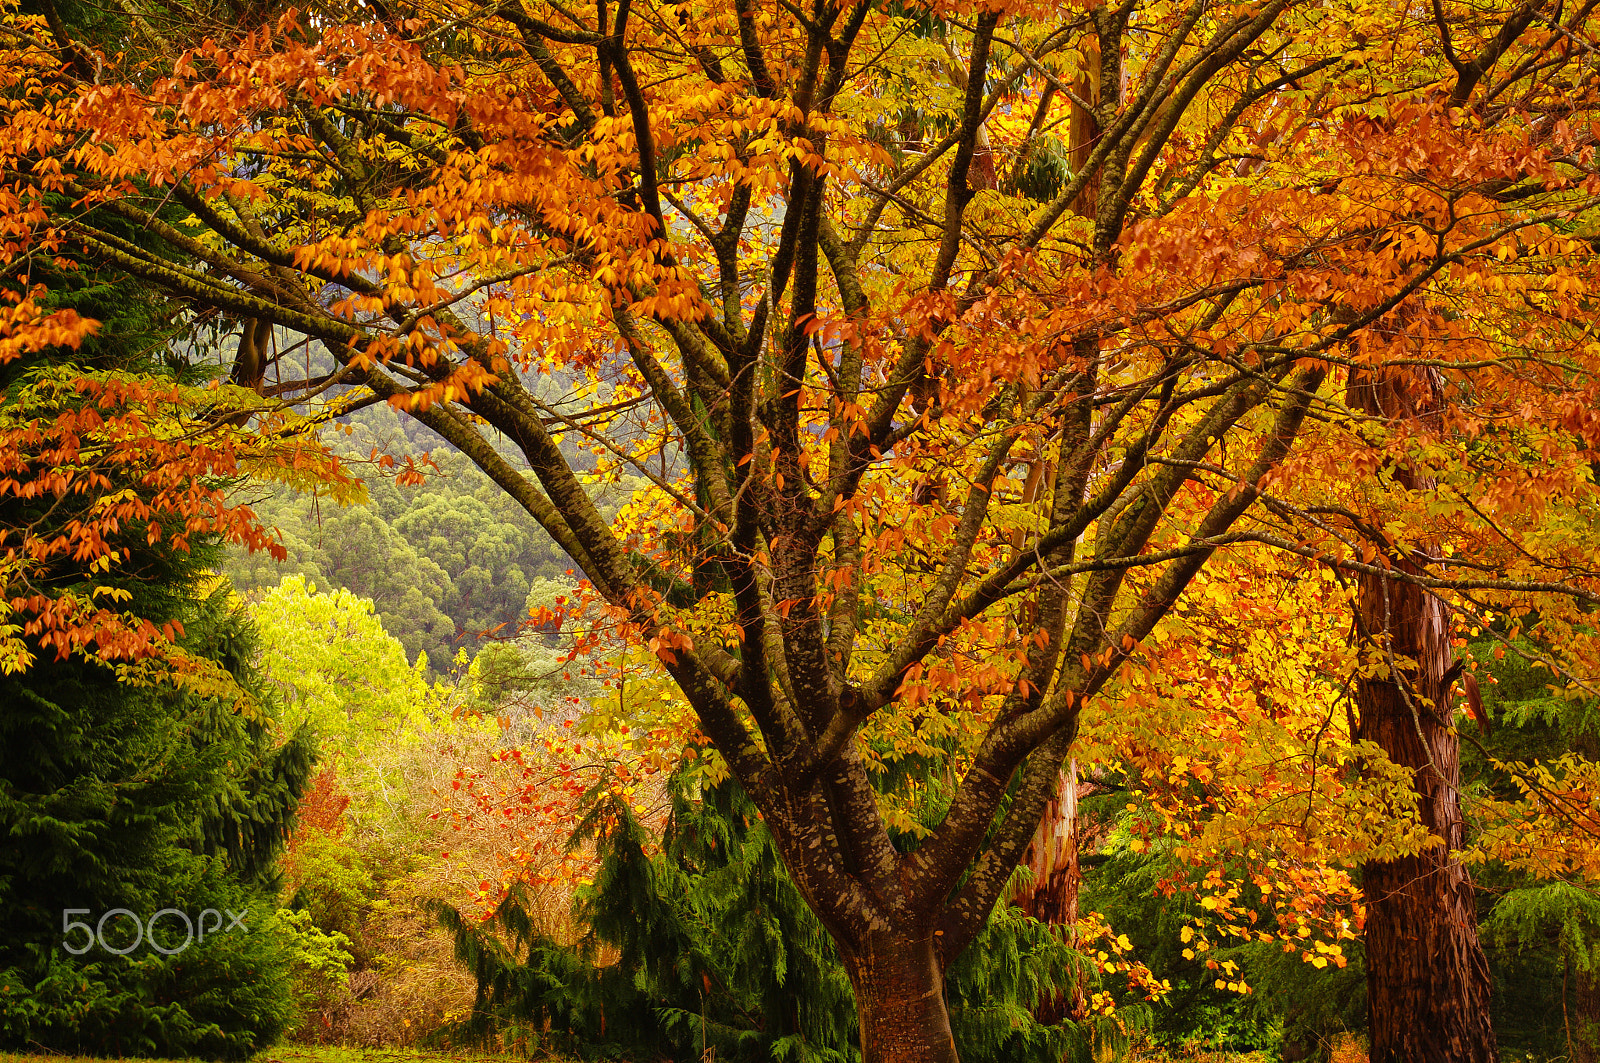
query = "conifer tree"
{"x": 1541, "y": 929}
{"x": 144, "y": 798}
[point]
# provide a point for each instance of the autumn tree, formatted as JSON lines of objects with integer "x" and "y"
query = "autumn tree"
{"x": 938, "y": 433}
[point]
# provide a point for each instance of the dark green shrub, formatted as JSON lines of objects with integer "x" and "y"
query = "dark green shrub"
{"x": 144, "y": 798}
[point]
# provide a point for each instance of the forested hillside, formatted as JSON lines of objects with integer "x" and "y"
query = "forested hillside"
{"x": 446, "y": 559}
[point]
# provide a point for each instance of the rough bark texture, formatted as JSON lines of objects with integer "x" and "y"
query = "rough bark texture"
{"x": 1052, "y": 857}
{"x": 900, "y": 1000}
{"x": 1584, "y": 1020}
{"x": 1427, "y": 978}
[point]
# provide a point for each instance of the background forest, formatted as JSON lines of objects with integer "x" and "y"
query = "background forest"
{"x": 444, "y": 563}
{"x": 820, "y": 533}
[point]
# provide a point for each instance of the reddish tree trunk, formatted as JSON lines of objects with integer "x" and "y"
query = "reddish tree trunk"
{"x": 1583, "y": 1023}
{"x": 1052, "y": 857}
{"x": 900, "y": 1000}
{"x": 1427, "y": 978}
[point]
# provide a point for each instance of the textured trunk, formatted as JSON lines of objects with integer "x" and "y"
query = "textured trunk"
{"x": 1052, "y": 856}
{"x": 1583, "y": 1024}
{"x": 1084, "y": 129}
{"x": 1427, "y": 978}
{"x": 900, "y": 1000}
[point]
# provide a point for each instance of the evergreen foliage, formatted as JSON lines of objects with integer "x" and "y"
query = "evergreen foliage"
{"x": 1311, "y": 1008}
{"x": 144, "y": 798}
{"x": 715, "y": 949}
{"x": 1195, "y": 1012}
{"x": 1542, "y": 936}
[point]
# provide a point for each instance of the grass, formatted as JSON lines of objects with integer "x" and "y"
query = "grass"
{"x": 287, "y": 1053}
{"x": 1346, "y": 1050}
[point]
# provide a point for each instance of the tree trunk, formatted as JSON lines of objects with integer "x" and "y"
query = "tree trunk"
{"x": 1427, "y": 978}
{"x": 1583, "y": 1023}
{"x": 900, "y": 1000}
{"x": 1052, "y": 856}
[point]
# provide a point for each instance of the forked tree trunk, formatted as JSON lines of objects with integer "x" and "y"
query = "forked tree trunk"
{"x": 1427, "y": 978}
{"x": 900, "y": 1000}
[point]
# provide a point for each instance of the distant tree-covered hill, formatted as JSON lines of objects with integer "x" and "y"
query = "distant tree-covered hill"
{"x": 444, "y": 562}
